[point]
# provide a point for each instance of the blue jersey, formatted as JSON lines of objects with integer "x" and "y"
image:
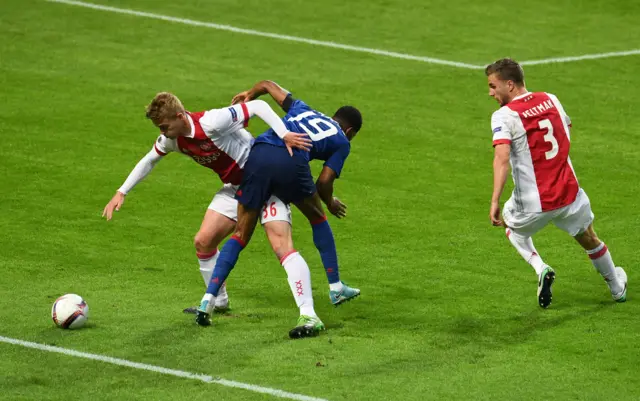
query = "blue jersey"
{"x": 329, "y": 141}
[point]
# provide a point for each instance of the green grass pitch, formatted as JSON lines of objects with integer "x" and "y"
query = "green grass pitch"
{"x": 448, "y": 309}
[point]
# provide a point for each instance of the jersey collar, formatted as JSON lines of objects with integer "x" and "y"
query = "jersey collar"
{"x": 193, "y": 127}
{"x": 521, "y": 96}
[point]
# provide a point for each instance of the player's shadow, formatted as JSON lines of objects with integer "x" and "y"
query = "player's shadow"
{"x": 517, "y": 329}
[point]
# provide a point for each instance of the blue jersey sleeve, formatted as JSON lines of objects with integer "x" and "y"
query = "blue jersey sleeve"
{"x": 294, "y": 106}
{"x": 337, "y": 159}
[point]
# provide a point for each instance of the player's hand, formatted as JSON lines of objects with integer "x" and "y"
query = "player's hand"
{"x": 114, "y": 204}
{"x": 494, "y": 214}
{"x": 337, "y": 208}
{"x": 298, "y": 141}
{"x": 242, "y": 97}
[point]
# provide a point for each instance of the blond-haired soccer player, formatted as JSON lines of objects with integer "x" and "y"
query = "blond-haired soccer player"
{"x": 531, "y": 131}
{"x": 215, "y": 139}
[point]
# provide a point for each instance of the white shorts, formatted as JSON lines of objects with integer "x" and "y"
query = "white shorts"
{"x": 573, "y": 219}
{"x": 225, "y": 203}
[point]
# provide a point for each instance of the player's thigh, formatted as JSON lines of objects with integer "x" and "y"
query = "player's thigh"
{"x": 311, "y": 207}
{"x": 279, "y": 235}
{"x": 225, "y": 203}
{"x": 577, "y": 217}
{"x": 275, "y": 210}
{"x": 214, "y": 229}
{"x": 247, "y": 220}
{"x": 525, "y": 224}
{"x": 219, "y": 219}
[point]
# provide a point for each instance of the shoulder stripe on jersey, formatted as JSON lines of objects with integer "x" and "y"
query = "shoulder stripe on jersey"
{"x": 158, "y": 151}
{"x": 245, "y": 110}
{"x": 501, "y": 142}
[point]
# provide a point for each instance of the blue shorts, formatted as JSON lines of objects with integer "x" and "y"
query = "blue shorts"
{"x": 270, "y": 170}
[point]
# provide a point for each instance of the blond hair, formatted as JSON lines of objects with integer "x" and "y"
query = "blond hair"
{"x": 164, "y": 105}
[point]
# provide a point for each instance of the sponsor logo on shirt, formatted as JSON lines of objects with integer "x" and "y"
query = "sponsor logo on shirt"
{"x": 204, "y": 160}
{"x": 207, "y": 146}
{"x": 497, "y": 129}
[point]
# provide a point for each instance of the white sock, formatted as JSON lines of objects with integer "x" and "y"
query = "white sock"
{"x": 602, "y": 261}
{"x": 524, "y": 246}
{"x": 223, "y": 298}
{"x": 336, "y": 286}
{"x": 207, "y": 262}
{"x": 299, "y": 278}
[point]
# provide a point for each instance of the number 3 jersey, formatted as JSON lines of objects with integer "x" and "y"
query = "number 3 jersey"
{"x": 330, "y": 144}
{"x": 537, "y": 128}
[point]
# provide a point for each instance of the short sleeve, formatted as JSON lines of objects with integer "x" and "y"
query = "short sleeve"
{"x": 501, "y": 128}
{"x": 296, "y": 106}
{"x": 336, "y": 161}
{"x": 224, "y": 121}
{"x": 164, "y": 145}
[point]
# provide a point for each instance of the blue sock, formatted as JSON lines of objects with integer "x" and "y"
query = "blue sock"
{"x": 323, "y": 240}
{"x": 225, "y": 263}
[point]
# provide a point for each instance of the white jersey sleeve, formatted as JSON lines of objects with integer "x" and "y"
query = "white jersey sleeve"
{"x": 220, "y": 122}
{"x": 141, "y": 170}
{"x": 165, "y": 145}
{"x": 502, "y": 125}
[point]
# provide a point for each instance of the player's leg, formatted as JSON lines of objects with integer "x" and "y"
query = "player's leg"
{"x": 526, "y": 249}
{"x": 214, "y": 229}
{"x": 247, "y": 219}
{"x": 218, "y": 223}
{"x": 577, "y": 220}
{"x": 324, "y": 241}
{"x": 520, "y": 229}
{"x": 298, "y": 276}
{"x": 251, "y": 196}
{"x": 615, "y": 277}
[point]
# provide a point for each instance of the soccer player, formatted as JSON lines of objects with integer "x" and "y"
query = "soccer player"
{"x": 215, "y": 139}
{"x": 270, "y": 170}
{"x": 531, "y": 132}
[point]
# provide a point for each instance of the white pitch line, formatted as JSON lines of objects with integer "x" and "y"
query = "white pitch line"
{"x": 379, "y": 52}
{"x": 230, "y": 28}
{"x": 158, "y": 369}
{"x": 583, "y": 57}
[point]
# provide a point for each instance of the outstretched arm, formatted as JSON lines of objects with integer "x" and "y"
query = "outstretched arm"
{"x": 139, "y": 172}
{"x": 278, "y": 93}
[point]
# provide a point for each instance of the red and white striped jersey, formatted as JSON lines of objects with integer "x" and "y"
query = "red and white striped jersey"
{"x": 218, "y": 141}
{"x": 537, "y": 128}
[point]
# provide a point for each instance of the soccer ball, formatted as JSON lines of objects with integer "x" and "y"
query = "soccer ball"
{"x": 70, "y": 311}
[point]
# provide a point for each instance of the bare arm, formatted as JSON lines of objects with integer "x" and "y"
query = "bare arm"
{"x": 262, "y": 88}
{"x": 324, "y": 185}
{"x": 500, "y": 171}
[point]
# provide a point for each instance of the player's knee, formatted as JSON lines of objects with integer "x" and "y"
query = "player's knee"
{"x": 280, "y": 240}
{"x": 588, "y": 239}
{"x": 242, "y": 235}
{"x": 204, "y": 242}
